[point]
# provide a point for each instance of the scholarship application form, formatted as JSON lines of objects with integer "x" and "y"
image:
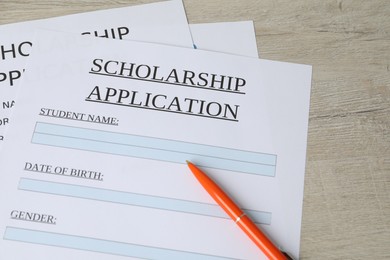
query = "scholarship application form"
{"x": 99, "y": 168}
{"x": 163, "y": 22}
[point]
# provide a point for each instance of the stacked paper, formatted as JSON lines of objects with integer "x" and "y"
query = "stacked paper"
{"x": 95, "y": 132}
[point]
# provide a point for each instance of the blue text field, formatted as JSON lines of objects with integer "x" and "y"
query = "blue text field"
{"x": 136, "y": 199}
{"x": 154, "y": 148}
{"x": 101, "y": 246}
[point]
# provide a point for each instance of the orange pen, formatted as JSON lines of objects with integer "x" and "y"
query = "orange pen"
{"x": 235, "y": 213}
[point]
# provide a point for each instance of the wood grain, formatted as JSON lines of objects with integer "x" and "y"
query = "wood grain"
{"x": 346, "y": 211}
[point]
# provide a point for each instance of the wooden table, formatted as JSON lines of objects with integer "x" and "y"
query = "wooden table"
{"x": 346, "y": 211}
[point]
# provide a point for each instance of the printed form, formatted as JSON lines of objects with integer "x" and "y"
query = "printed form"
{"x": 164, "y": 22}
{"x": 99, "y": 167}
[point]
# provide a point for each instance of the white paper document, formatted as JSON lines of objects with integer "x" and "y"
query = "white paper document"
{"x": 164, "y": 22}
{"x": 99, "y": 169}
{"x": 229, "y": 37}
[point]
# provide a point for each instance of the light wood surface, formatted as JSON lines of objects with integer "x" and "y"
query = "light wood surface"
{"x": 346, "y": 211}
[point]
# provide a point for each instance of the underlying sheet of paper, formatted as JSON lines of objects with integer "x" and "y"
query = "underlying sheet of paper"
{"x": 229, "y": 37}
{"x": 163, "y": 22}
{"x": 100, "y": 164}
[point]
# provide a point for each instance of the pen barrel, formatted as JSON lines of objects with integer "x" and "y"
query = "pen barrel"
{"x": 260, "y": 239}
{"x": 243, "y": 221}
